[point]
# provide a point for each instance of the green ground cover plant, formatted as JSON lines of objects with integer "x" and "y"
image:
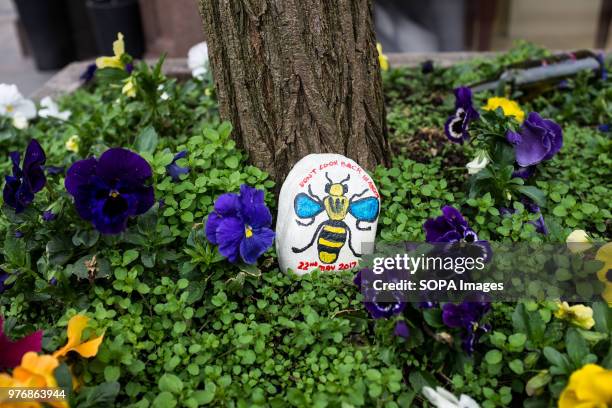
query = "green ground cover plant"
{"x": 182, "y": 326}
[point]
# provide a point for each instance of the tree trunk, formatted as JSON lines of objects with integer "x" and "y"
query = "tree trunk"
{"x": 296, "y": 77}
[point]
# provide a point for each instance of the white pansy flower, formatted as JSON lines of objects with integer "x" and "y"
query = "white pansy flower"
{"x": 13, "y": 104}
{"x": 164, "y": 96}
{"x": 578, "y": 241}
{"x": 49, "y": 109}
{"x": 441, "y": 398}
{"x": 197, "y": 60}
{"x": 20, "y": 122}
{"x": 480, "y": 162}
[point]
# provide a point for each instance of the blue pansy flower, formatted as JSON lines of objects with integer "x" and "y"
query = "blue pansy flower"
{"x": 109, "y": 190}
{"x": 240, "y": 225}
{"x": 456, "y": 126}
{"x": 27, "y": 180}
{"x": 174, "y": 170}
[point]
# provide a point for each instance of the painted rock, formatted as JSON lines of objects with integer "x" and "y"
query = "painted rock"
{"x": 327, "y": 210}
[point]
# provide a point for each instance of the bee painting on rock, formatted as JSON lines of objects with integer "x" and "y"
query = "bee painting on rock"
{"x": 333, "y": 233}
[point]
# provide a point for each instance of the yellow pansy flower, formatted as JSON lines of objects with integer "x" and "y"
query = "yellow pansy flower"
{"x": 89, "y": 348}
{"x": 6, "y": 381}
{"x": 129, "y": 89}
{"x": 589, "y": 387}
{"x": 114, "y": 61}
{"x": 35, "y": 371}
{"x": 72, "y": 144}
{"x": 510, "y": 107}
{"x": 580, "y": 315}
{"x": 382, "y": 58}
{"x": 604, "y": 254}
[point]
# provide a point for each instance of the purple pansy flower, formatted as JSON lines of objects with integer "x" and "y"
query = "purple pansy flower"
{"x": 533, "y": 208}
{"x": 89, "y": 73}
{"x": 538, "y": 139}
{"x": 129, "y": 67}
{"x": 402, "y": 329}
{"x": 48, "y": 215}
{"x": 111, "y": 189}
{"x": 54, "y": 170}
{"x": 605, "y": 127}
{"x": 174, "y": 170}
{"x": 11, "y": 352}
{"x": 384, "y": 310}
{"x": 379, "y": 310}
{"x": 427, "y": 67}
{"x": 467, "y": 315}
{"x": 26, "y": 181}
{"x": 524, "y": 172}
{"x": 456, "y": 126}
{"x": 240, "y": 225}
{"x": 603, "y": 72}
{"x": 452, "y": 227}
{"x": 18, "y": 234}
{"x": 3, "y": 277}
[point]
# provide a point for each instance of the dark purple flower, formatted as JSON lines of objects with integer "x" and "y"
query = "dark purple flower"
{"x": 18, "y": 234}
{"x": 379, "y": 310}
{"x": 3, "y": 277}
{"x": 240, "y": 225}
{"x": 427, "y": 67}
{"x": 54, "y": 170}
{"x": 48, "y": 215}
{"x": 524, "y": 172}
{"x": 539, "y": 139}
{"x": 466, "y": 315}
{"x": 89, "y": 73}
{"x": 26, "y": 181}
{"x": 449, "y": 227}
{"x": 605, "y": 127}
{"x": 456, "y": 126}
{"x": 402, "y": 329}
{"x": 53, "y": 281}
{"x": 11, "y": 352}
{"x": 129, "y": 67}
{"x": 603, "y": 72}
{"x": 384, "y": 310}
{"x": 174, "y": 170}
{"x": 532, "y": 208}
{"x": 111, "y": 189}
{"x": 563, "y": 84}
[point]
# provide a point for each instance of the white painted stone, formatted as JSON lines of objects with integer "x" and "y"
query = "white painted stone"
{"x": 316, "y": 228}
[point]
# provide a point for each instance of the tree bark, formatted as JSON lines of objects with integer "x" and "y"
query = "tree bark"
{"x": 296, "y": 77}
